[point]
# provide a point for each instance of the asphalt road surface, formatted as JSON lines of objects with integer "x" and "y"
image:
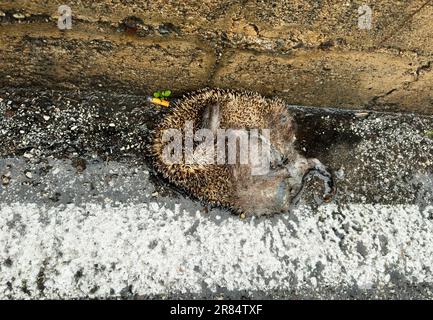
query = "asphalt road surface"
{"x": 83, "y": 215}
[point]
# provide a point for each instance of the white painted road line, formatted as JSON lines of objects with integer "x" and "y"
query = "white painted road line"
{"x": 95, "y": 251}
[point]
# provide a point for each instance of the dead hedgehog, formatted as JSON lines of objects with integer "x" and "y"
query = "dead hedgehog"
{"x": 185, "y": 151}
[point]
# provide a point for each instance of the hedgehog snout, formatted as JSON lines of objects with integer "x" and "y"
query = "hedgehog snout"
{"x": 312, "y": 166}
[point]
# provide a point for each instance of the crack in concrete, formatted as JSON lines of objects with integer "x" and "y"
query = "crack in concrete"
{"x": 406, "y": 21}
{"x": 421, "y": 69}
{"x": 374, "y": 101}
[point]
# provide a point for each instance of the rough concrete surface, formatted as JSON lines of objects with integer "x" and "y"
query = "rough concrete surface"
{"x": 82, "y": 215}
{"x": 309, "y": 52}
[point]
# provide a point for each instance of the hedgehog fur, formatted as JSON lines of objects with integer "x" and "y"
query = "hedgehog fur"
{"x": 231, "y": 185}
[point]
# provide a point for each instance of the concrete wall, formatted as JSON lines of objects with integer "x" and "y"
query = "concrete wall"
{"x": 308, "y": 52}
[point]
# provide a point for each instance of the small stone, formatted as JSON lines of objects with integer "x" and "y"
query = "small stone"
{"x": 5, "y": 180}
{"x": 2, "y": 14}
{"x": 18, "y": 16}
{"x": 28, "y": 174}
{"x": 46, "y": 118}
{"x": 155, "y": 194}
{"x": 28, "y": 155}
{"x": 74, "y": 128}
{"x": 242, "y": 216}
{"x": 166, "y": 28}
{"x": 339, "y": 174}
{"x": 111, "y": 125}
{"x": 361, "y": 114}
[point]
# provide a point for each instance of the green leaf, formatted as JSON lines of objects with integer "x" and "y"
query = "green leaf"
{"x": 157, "y": 94}
{"x": 166, "y": 93}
